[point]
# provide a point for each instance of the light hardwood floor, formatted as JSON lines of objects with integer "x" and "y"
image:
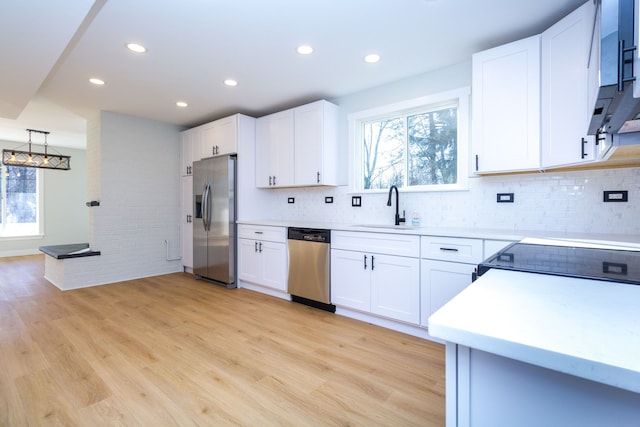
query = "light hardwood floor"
{"x": 173, "y": 351}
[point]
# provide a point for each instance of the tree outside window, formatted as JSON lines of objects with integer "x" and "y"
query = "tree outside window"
{"x": 418, "y": 149}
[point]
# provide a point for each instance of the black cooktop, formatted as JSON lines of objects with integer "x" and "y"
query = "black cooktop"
{"x": 589, "y": 263}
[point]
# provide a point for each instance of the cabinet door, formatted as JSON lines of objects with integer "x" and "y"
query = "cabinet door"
{"x": 565, "y": 105}
{"x": 263, "y": 167}
{"x": 506, "y": 107}
{"x": 219, "y": 137}
{"x": 274, "y": 265}
{"x": 440, "y": 281}
{"x": 249, "y": 261}
{"x": 274, "y": 150}
{"x": 186, "y": 224}
{"x": 395, "y": 287}
{"x": 197, "y": 143}
{"x": 186, "y": 153}
{"x": 308, "y": 151}
{"x": 350, "y": 280}
{"x": 226, "y": 131}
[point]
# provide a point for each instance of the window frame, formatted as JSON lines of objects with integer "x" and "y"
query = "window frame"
{"x": 39, "y": 224}
{"x": 458, "y": 97}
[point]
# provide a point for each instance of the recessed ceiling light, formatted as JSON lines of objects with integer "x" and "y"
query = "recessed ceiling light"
{"x": 231, "y": 82}
{"x": 137, "y": 48}
{"x": 304, "y": 50}
{"x": 96, "y": 81}
{"x": 371, "y": 58}
{"x": 182, "y": 104}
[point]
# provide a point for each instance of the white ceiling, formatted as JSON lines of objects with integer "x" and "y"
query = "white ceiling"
{"x": 51, "y": 48}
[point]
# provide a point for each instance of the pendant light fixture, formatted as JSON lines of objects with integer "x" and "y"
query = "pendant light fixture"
{"x": 34, "y": 159}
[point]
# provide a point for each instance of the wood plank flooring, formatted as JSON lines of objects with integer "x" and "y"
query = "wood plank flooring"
{"x": 173, "y": 351}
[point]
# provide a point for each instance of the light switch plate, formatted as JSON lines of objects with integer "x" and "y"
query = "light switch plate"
{"x": 291, "y": 200}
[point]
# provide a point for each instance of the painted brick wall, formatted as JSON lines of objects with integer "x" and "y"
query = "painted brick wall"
{"x": 133, "y": 171}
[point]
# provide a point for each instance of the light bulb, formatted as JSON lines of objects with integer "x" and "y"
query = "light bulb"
{"x": 46, "y": 160}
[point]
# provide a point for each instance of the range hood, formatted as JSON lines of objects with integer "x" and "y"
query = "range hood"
{"x": 612, "y": 65}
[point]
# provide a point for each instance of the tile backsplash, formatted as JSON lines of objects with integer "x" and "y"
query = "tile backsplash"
{"x": 552, "y": 201}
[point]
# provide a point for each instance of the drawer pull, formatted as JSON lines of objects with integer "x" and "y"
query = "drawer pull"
{"x": 257, "y": 232}
{"x": 449, "y": 249}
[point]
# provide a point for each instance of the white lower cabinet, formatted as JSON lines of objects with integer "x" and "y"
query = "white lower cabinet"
{"x": 262, "y": 256}
{"x": 445, "y": 270}
{"x": 440, "y": 281}
{"x": 384, "y": 284}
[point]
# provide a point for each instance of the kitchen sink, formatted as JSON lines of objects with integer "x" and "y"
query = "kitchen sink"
{"x": 387, "y": 226}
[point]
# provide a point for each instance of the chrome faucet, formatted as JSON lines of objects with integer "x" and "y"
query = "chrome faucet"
{"x": 398, "y": 219}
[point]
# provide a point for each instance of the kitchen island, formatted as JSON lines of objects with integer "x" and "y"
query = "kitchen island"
{"x": 531, "y": 349}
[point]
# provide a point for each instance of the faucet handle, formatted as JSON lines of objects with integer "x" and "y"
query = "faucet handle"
{"x": 403, "y": 219}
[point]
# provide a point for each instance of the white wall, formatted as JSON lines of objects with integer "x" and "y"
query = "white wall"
{"x": 66, "y": 218}
{"x": 553, "y": 201}
{"x": 134, "y": 173}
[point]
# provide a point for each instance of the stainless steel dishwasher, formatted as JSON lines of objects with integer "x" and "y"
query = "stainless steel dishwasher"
{"x": 310, "y": 267}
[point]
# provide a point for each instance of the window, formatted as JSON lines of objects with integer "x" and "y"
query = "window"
{"x": 417, "y": 145}
{"x": 19, "y": 201}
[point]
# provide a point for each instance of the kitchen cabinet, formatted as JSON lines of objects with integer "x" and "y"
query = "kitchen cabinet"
{"x": 274, "y": 150}
{"x": 376, "y": 273}
{"x": 566, "y": 111}
{"x": 316, "y": 144}
{"x": 186, "y": 152}
{"x": 506, "y": 107}
{"x": 445, "y": 270}
{"x": 262, "y": 256}
{"x": 220, "y": 137}
{"x": 298, "y": 147}
{"x": 186, "y": 224}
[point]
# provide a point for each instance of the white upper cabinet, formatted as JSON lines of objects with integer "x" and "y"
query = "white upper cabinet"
{"x": 298, "y": 147}
{"x": 274, "y": 150}
{"x": 315, "y": 146}
{"x": 220, "y": 137}
{"x": 565, "y": 103}
{"x": 186, "y": 152}
{"x": 506, "y": 107}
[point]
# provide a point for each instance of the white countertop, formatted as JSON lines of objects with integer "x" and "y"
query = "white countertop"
{"x": 471, "y": 233}
{"x": 586, "y": 328}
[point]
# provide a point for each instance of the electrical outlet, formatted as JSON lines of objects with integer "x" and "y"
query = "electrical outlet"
{"x": 328, "y": 199}
{"x": 356, "y": 201}
{"x": 616, "y": 196}
{"x": 504, "y": 198}
{"x": 291, "y": 200}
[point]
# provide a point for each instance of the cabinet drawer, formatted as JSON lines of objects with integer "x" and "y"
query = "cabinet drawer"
{"x": 378, "y": 243}
{"x": 262, "y": 232}
{"x": 452, "y": 249}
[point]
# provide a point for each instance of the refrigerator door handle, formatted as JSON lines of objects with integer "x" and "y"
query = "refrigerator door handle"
{"x": 205, "y": 207}
{"x": 208, "y": 207}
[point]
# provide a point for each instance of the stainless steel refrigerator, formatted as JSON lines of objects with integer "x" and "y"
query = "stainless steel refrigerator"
{"x": 214, "y": 229}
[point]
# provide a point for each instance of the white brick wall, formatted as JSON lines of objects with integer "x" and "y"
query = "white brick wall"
{"x": 133, "y": 171}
